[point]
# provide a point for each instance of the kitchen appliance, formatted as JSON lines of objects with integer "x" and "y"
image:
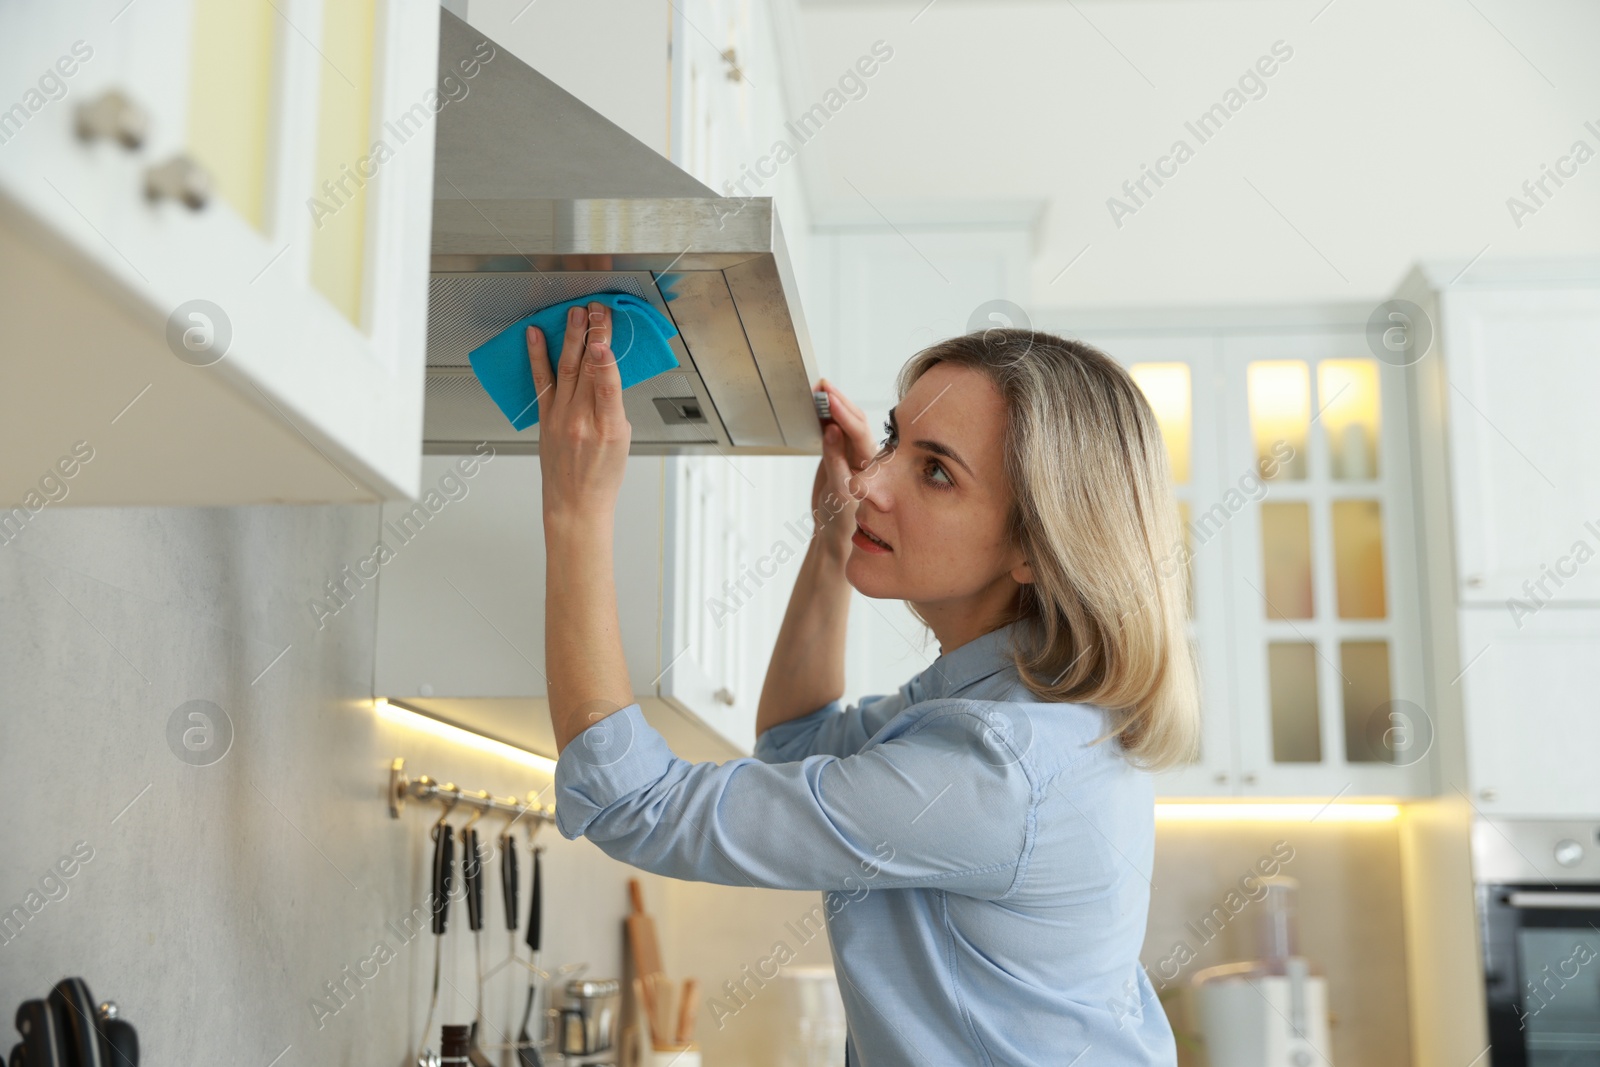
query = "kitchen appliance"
{"x": 539, "y": 199}
{"x": 589, "y": 1017}
{"x": 816, "y": 1030}
{"x": 1271, "y": 1011}
{"x": 1538, "y": 895}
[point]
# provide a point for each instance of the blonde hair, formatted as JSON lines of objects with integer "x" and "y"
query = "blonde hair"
{"x": 1094, "y": 514}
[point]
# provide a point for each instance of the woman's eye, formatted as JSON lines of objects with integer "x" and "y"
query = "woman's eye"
{"x": 935, "y": 468}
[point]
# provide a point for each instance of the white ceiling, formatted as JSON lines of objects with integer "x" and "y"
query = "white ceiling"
{"x": 1396, "y": 131}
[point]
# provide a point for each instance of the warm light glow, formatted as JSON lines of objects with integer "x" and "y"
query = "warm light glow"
{"x": 1295, "y": 812}
{"x": 1347, "y": 390}
{"x": 1280, "y": 410}
{"x": 1166, "y": 387}
{"x": 414, "y": 720}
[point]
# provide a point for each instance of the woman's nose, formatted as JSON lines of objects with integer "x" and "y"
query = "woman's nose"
{"x": 872, "y": 483}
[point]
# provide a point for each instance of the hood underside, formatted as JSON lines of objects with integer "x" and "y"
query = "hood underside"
{"x": 539, "y": 199}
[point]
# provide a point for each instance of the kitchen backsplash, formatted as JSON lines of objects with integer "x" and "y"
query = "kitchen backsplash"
{"x": 1350, "y": 921}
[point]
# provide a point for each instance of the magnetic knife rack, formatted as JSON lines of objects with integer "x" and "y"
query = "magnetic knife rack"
{"x": 403, "y": 787}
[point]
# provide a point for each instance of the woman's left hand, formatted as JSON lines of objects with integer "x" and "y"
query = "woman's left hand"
{"x": 583, "y": 432}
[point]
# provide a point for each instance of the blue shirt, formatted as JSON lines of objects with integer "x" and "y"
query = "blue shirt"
{"x": 984, "y": 868}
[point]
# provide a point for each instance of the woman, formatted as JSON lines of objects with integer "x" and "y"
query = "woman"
{"x": 984, "y": 834}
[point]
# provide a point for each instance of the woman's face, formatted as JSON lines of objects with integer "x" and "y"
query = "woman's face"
{"x": 938, "y": 496}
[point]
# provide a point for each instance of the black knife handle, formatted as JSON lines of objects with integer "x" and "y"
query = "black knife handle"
{"x": 472, "y": 871}
{"x": 509, "y": 877}
{"x": 443, "y": 861}
{"x": 536, "y": 908}
{"x": 74, "y": 1010}
{"x": 123, "y": 1042}
{"x": 43, "y": 1043}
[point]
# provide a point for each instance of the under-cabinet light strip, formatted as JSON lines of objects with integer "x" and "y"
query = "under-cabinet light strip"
{"x": 403, "y": 716}
{"x": 1224, "y": 811}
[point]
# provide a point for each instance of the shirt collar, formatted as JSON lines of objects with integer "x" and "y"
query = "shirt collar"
{"x": 965, "y": 666}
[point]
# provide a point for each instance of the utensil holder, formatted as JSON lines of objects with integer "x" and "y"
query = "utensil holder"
{"x": 638, "y": 1050}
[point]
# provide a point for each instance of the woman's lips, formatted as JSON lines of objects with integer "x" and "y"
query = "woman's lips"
{"x": 864, "y": 539}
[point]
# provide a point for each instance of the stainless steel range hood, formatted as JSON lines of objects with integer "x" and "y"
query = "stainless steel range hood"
{"x": 538, "y": 199}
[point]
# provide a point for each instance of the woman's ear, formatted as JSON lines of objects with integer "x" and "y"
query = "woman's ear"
{"x": 1022, "y": 573}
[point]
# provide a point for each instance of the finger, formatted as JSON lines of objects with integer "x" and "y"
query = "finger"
{"x": 571, "y": 356}
{"x": 599, "y": 325}
{"x": 600, "y": 367}
{"x": 837, "y": 398}
{"x": 544, "y": 379}
{"x": 857, "y": 433}
{"x": 840, "y": 476}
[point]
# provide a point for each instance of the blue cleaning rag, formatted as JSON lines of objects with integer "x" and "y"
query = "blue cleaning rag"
{"x": 639, "y": 335}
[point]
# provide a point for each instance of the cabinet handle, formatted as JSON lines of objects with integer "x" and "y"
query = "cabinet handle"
{"x": 113, "y": 115}
{"x": 1488, "y": 794}
{"x": 723, "y": 696}
{"x": 1248, "y": 778}
{"x": 1222, "y": 779}
{"x": 1474, "y": 581}
{"x": 179, "y": 178}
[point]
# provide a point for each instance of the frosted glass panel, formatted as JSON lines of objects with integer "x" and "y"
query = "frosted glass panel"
{"x": 1292, "y": 683}
{"x": 1167, "y": 387}
{"x": 1347, "y": 396}
{"x": 232, "y": 47}
{"x": 1280, "y": 416}
{"x": 1358, "y": 558}
{"x": 346, "y": 156}
{"x": 1365, "y": 666}
{"x": 1286, "y": 560}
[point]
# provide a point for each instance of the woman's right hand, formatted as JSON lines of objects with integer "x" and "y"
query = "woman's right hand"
{"x": 848, "y": 447}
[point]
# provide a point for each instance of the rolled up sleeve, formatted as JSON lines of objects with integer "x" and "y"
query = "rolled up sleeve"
{"x": 832, "y": 729}
{"x": 933, "y": 806}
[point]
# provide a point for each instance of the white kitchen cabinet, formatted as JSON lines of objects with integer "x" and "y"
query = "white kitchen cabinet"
{"x": 255, "y": 332}
{"x": 461, "y": 602}
{"x": 1531, "y": 698}
{"x": 1306, "y": 613}
{"x": 1523, "y": 368}
{"x": 1513, "y": 505}
{"x": 1326, "y": 610}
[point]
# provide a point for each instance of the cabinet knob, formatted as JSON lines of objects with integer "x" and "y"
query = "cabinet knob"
{"x": 179, "y": 178}
{"x": 1248, "y": 778}
{"x": 113, "y": 115}
{"x": 1474, "y": 581}
{"x": 723, "y": 696}
{"x": 1221, "y": 779}
{"x": 1488, "y": 794}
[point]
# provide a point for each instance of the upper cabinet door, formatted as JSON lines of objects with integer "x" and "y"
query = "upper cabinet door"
{"x": 1326, "y": 612}
{"x": 1523, "y": 371}
{"x": 216, "y": 218}
{"x": 1531, "y": 700}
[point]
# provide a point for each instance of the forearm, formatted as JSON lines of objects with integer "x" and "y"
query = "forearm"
{"x": 807, "y": 666}
{"x": 587, "y": 676}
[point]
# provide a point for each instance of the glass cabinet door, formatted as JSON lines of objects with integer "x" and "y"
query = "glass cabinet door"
{"x": 1326, "y": 629}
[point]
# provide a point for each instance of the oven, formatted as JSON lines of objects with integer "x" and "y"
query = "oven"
{"x": 1538, "y": 893}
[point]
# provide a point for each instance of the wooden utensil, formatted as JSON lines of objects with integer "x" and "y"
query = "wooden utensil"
{"x": 647, "y": 963}
{"x": 663, "y": 1001}
{"x": 688, "y": 1009}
